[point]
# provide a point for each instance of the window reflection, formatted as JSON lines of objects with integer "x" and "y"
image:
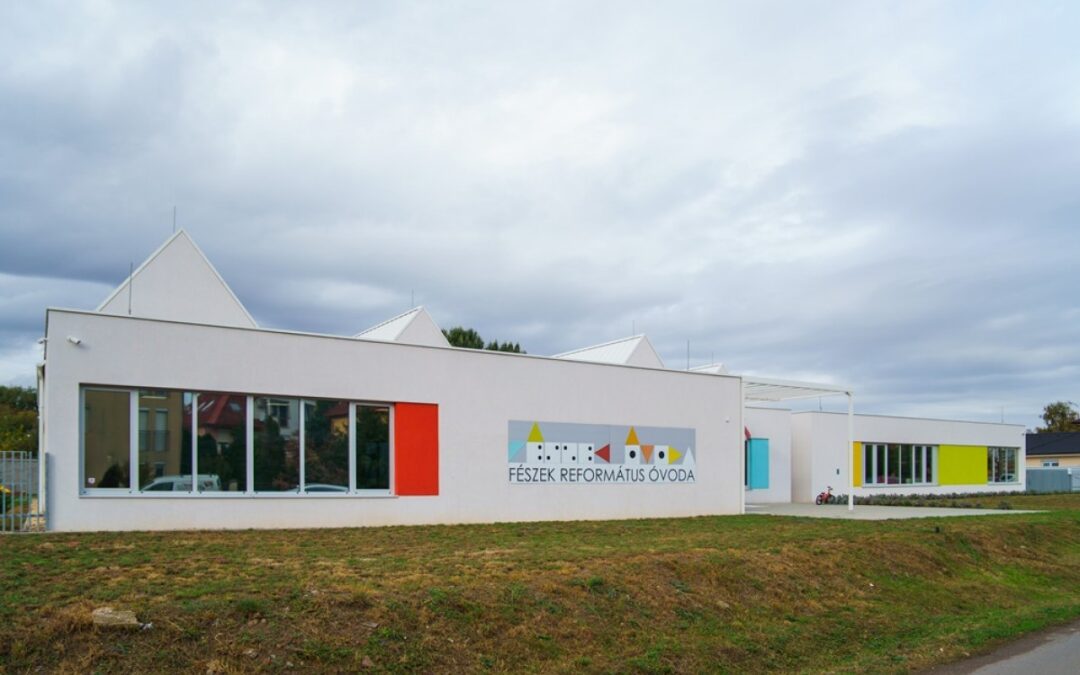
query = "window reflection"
{"x": 222, "y": 442}
{"x": 372, "y": 447}
{"x": 106, "y": 439}
{"x": 896, "y": 464}
{"x": 326, "y": 446}
{"x": 164, "y": 441}
{"x": 1001, "y": 465}
{"x": 277, "y": 444}
{"x": 188, "y": 442}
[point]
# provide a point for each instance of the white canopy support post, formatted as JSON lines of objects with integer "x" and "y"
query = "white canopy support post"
{"x": 851, "y": 450}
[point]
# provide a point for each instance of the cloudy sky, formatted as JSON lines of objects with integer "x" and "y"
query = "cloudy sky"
{"x": 880, "y": 194}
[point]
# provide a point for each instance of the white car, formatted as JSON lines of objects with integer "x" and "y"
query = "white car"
{"x": 207, "y": 483}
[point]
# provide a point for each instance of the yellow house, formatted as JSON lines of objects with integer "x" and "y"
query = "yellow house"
{"x": 1052, "y": 450}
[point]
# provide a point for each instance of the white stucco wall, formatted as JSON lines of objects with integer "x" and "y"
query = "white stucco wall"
{"x": 775, "y": 425}
{"x": 802, "y": 458}
{"x": 820, "y": 449}
{"x": 477, "y": 393}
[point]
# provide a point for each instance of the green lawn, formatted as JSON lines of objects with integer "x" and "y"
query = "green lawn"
{"x": 745, "y": 593}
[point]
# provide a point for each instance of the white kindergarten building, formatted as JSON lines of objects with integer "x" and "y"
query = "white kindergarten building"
{"x": 167, "y": 407}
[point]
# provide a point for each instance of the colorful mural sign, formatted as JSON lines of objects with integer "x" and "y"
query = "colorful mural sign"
{"x": 558, "y": 452}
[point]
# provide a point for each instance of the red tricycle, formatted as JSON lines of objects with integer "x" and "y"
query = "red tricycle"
{"x": 825, "y": 497}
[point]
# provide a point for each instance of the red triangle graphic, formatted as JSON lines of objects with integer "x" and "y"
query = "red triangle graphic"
{"x": 604, "y": 453}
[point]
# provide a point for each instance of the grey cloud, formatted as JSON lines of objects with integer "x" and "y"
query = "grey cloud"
{"x": 882, "y": 195}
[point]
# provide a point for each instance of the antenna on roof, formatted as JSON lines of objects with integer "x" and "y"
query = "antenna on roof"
{"x": 633, "y": 327}
{"x": 412, "y": 299}
{"x": 131, "y": 279}
{"x": 688, "y": 355}
{"x": 174, "y": 219}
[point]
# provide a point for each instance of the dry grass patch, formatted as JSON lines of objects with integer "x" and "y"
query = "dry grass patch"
{"x": 690, "y": 595}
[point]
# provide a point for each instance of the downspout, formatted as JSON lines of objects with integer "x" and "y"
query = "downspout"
{"x": 42, "y": 475}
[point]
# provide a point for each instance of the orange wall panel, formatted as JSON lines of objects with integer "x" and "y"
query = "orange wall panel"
{"x": 416, "y": 449}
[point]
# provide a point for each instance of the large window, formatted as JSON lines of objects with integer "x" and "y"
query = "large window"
{"x": 898, "y": 464}
{"x": 326, "y": 446}
{"x": 1001, "y": 465}
{"x": 372, "y": 447}
{"x": 106, "y": 439}
{"x": 183, "y": 442}
{"x": 222, "y": 441}
{"x": 165, "y": 441}
{"x": 277, "y": 445}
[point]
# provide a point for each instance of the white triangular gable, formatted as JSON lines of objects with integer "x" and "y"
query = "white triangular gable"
{"x": 711, "y": 368}
{"x": 414, "y": 327}
{"x": 631, "y": 351}
{"x": 645, "y": 355}
{"x": 178, "y": 283}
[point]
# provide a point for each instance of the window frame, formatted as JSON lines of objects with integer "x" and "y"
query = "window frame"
{"x": 917, "y": 453}
{"x": 134, "y": 489}
{"x": 996, "y": 450}
{"x": 133, "y": 441}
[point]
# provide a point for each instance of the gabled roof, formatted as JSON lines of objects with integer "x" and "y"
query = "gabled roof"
{"x": 178, "y": 283}
{"x": 631, "y": 351}
{"x": 1054, "y": 443}
{"x": 414, "y": 327}
{"x": 711, "y": 368}
{"x": 219, "y": 410}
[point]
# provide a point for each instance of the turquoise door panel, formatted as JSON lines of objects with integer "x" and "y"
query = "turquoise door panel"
{"x": 758, "y": 463}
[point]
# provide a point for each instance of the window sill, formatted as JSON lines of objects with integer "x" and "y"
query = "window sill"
{"x": 123, "y": 494}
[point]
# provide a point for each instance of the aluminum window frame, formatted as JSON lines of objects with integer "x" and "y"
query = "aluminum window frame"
{"x": 993, "y": 451}
{"x": 134, "y": 490}
{"x": 133, "y": 442}
{"x": 918, "y": 452}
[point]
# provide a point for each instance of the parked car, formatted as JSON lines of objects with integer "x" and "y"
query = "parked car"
{"x": 324, "y": 487}
{"x": 207, "y": 483}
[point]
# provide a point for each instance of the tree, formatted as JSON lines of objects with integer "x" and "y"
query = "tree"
{"x": 1060, "y": 416}
{"x": 459, "y": 336}
{"x": 18, "y": 419}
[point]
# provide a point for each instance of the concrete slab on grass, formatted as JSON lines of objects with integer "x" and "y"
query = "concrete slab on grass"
{"x": 840, "y": 511}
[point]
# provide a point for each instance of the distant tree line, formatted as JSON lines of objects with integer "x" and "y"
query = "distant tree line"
{"x": 459, "y": 336}
{"x": 18, "y": 419}
{"x": 1060, "y": 416}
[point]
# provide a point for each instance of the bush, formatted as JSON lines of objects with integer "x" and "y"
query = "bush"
{"x": 7, "y": 500}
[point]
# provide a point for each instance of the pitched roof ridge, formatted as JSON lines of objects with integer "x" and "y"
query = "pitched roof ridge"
{"x": 149, "y": 259}
{"x": 639, "y": 336}
{"x": 160, "y": 249}
{"x": 415, "y": 311}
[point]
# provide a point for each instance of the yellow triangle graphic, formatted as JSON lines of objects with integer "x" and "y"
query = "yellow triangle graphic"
{"x": 535, "y": 436}
{"x": 631, "y": 438}
{"x": 673, "y": 455}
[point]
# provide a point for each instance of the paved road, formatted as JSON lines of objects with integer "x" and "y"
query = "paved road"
{"x": 1051, "y": 652}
